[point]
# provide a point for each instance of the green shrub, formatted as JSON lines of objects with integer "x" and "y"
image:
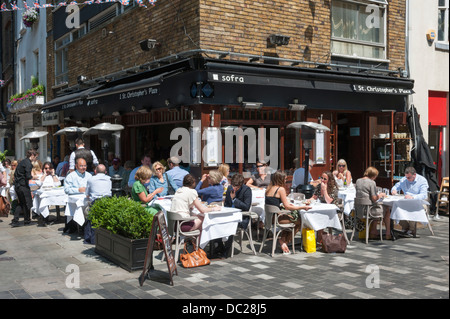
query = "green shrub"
{"x": 121, "y": 216}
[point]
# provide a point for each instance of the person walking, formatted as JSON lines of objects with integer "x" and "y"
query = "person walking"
{"x": 22, "y": 177}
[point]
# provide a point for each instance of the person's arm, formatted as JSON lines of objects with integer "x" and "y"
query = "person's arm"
{"x": 250, "y": 182}
{"x": 203, "y": 209}
{"x": 396, "y": 188}
{"x": 286, "y": 203}
{"x": 95, "y": 159}
{"x": 423, "y": 191}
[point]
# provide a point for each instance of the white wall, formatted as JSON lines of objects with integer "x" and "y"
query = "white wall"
{"x": 429, "y": 67}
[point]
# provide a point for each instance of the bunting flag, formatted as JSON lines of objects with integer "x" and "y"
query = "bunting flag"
{"x": 2, "y": 82}
{"x": 36, "y": 5}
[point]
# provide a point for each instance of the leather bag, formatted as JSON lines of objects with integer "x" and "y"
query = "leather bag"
{"x": 195, "y": 259}
{"x": 5, "y": 207}
{"x": 333, "y": 243}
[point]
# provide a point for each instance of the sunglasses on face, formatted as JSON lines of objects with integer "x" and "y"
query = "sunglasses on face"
{"x": 159, "y": 169}
{"x": 259, "y": 166}
{"x": 341, "y": 165}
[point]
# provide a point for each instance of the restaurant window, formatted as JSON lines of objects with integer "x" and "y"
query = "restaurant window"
{"x": 61, "y": 64}
{"x": 443, "y": 25}
{"x": 358, "y": 29}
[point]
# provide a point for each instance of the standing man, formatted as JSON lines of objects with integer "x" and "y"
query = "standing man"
{"x": 98, "y": 185}
{"x": 175, "y": 172}
{"x": 22, "y": 176}
{"x": 81, "y": 151}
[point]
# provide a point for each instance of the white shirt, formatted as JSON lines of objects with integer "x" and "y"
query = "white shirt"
{"x": 72, "y": 159}
{"x": 48, "y": 182}
{"x": 183, "y": 200}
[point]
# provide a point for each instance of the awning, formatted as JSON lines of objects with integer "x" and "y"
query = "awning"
{"x": 68, "y": 101}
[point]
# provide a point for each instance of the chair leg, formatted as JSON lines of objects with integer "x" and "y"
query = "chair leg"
{"x": 429, "y": 224}
{"x": 293, "y": 240}
{"x": 250, "y": 239}
{"x": 263, "y": 241}
{"x": 367, "y": 229}
{"x": 343, "y": 229}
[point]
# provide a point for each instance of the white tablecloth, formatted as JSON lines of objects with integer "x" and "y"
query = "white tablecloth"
{"x": 74, "y": 208}
{"x": 218, "y": 224}
{"x": 48, "y": 197}
{"x": 406, "y": 209}
{"x": 321, "y": 216}
{"x": 348, "y": 197}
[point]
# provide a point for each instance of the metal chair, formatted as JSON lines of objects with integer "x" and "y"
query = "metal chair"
{"x": 364, "y": 206}
{"x": 247, "y": 231}
{"x": 271, "y": 225}
{"x": 341, "y": 216}
{"x": 174, "y": 223}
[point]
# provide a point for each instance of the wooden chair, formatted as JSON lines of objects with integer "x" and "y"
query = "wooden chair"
{"x": 442, "y": 202}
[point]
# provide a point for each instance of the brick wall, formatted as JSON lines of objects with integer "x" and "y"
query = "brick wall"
{"x": 229, "y": 25}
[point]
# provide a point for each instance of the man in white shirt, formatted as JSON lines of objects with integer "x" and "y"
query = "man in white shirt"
{"x": 98, "y": 185}
{"x": 79, "y": 143}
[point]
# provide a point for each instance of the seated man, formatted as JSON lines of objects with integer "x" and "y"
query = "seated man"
{"x": 414, "y": 186}
{"x": 239, "y": 196}
{"x": 175, "y": 172}
{"x": 98, "y": 185}
{"x": 298, "y": 178}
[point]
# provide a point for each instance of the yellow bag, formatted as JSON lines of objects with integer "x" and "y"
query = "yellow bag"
{"x": 362, "y": 234}
{"x": 309, "y": 240}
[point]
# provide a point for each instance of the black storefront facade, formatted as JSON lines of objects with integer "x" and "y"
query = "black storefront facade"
{"x": 366, "y": 112}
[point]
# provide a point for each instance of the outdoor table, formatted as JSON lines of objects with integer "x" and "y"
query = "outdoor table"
{"x": 74, "y": 208}
{"x": 406, "y": 209}
{"x": 321, "y": 216}
{"x": 46, "y": 197}
{"x": 348, "y": 197}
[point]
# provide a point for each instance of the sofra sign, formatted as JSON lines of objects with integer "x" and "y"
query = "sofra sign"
{"x": 380, "y": 89}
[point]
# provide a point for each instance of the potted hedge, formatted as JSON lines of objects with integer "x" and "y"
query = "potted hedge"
{"x": 122, "y": 228}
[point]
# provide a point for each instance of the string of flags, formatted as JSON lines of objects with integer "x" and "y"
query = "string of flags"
{"x": 36, "y": 5}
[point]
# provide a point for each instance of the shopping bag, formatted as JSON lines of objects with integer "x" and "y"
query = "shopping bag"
{"x": 194, "y": 259}
{"x": 333, "y": 243}
{"x": 309, "y": 240}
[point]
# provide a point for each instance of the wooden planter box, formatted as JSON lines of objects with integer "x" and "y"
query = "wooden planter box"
{"x": 127, "y": 253}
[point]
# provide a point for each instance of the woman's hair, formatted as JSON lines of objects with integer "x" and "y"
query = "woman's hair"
{"x": 371, "y": 172}
{"x": 155, "y": 164}
{"x": 331, "y": 182}
{"x": 341, "y": 162}
{"x": 277, "y": 179}
{"x": 224, "y": 169}
{"x": 189, "y": 181}
{"x": 143, "y": 173}
{"x": 215, "y": 176}
{"x": 37, "y": 166}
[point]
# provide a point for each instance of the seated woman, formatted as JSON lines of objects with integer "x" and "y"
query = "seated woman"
{"x": 261, "y": 178}
{"x": 161, "y": 181}
{"x": 367, "y": 188}
{"x": 224, "y": 169}
{"x": 185, "y": 199}
{"x": 214, "y": 192}
{"x": 326, "y": 192}
{"x": 276, "y": 195}
{"x": 138, "y": 191}
{"x": 48, "y": 178}
{"x": 342, "y": 175}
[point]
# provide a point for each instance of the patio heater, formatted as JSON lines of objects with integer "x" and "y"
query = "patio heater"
{"x": 308, "y": 135}
{"x": 105, "y": 131}
{"x": 72, "y": 133}
{"x": 34, "y": 138}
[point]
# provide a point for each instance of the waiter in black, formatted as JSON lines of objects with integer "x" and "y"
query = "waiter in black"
{"x": 22, "y": 177}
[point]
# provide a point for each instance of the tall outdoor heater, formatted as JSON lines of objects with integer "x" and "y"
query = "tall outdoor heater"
{"x": 104, "y": 131}
{"x": 72, "y": 133}
{"x": 34, "y": 138}
{"x": 308, "y": 135}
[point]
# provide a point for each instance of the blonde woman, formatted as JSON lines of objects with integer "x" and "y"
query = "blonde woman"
{"x": 138, "y": 191}
{"x": 214, "y": 192}
{"x": 342, "y": 175}
{"x": 161, "y": 182}
{"x": 224, "y": 169}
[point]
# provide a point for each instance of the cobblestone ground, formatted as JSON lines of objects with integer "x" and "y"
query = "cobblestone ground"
{"x": 37, "y": 263}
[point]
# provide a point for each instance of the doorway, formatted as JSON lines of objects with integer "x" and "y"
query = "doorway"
{"x": 352, "y": 142}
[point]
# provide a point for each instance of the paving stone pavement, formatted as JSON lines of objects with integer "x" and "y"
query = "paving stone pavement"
{"x": 39, "y": 262}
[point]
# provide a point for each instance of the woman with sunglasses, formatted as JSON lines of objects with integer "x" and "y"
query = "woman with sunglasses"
{"x": 261, "y": 178}
{"x": 342, "y": 175}
{"x": 48, "y": 178}
{"x": 160, "y": 180}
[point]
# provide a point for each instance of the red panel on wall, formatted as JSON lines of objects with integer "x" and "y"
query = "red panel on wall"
{"x": 437, "y": 108}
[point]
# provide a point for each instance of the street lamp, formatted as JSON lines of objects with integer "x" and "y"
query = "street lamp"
{"x": 308, "y": 135}
{"x": 34, "y": 138}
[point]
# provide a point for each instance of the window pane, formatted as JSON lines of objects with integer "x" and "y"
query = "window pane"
{"x": 442, "y": 3}
{"x": 441, "y": 25}
{"x": 371, "y": 24}
{"x": 343, "y": 19}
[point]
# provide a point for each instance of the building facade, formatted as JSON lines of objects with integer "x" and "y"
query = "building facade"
{"x": 229, "y": 64}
